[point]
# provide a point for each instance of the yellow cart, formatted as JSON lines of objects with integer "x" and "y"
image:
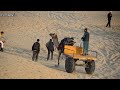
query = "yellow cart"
{"x": 75, "y": 53}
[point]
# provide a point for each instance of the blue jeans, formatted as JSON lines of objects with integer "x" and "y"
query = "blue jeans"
{"x": 85, "y": 46}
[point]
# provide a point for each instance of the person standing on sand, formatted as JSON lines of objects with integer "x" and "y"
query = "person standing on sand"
{"x": 85, "y": 40}
{"x": 36, "y": 50}
{"x": 2, "y": 41}
{"x": 50, "y": 48}
{"x": 109, "y": 16}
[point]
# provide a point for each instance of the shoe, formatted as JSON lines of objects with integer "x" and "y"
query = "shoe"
{"x": 85, "y": 54}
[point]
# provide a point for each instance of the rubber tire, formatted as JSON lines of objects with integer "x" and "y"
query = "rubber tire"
{"x": 69, "y": 64}
{"x": 90, "y": 68}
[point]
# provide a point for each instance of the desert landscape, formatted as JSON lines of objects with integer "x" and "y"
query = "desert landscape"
{"x": 25, "y": 27}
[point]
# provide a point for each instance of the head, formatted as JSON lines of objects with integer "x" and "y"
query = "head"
{"x": 50, "y": 40}
{"x": 53, "y": 35}
{"x": 85, "y": 30}
{"x": 110, "y": 11}
{"x": 2, "y": 33}
{"x": 38, "y": 40}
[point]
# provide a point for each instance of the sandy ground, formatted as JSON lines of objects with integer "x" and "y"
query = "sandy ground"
{"x": 22, "y": 30}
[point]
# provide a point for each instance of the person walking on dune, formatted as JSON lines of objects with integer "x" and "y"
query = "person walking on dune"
{"x": 109, "y": 16}
{"x": 36, "y": 50}
{"x": 85, "y": 40}
{"x": 50, "y": 48}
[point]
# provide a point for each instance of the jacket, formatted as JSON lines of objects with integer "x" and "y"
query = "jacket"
{"x": 50, "y": 46}
{"x": 36, "y": 46}
{"x": 85, "y": 36}
{"x": 109, "y": 16}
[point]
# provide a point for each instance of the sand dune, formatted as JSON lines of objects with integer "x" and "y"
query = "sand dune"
{"x": 25, "y": 27}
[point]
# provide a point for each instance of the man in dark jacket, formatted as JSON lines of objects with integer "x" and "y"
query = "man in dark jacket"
{"x": 109, "y": 16}
{"x": 36, "y": 50}
{"x": 50, "y": 48}
{"x": 85, "y": 39}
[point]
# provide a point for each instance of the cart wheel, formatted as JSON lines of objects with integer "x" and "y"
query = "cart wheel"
{"x": 90, "y": 66}
{"x": 69, "y": 64}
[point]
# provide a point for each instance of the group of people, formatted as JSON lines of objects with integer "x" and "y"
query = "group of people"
{"x": 36, "y": 49}
{"x": 50, "y": 44}
{"x": 85, "y": 39}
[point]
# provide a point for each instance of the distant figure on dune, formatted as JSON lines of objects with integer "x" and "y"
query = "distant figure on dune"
{"x": 36, "y": 50}
{"x": 2, "y": 40}
{"x": 50, "y": 48}
{"x": 109, "y": 16}
{"x": 85, "y": 40}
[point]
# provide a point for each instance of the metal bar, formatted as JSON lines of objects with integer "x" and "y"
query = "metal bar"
{"x": 79, "y": 64}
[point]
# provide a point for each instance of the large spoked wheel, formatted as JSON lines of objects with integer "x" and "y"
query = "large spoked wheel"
{"x": 69, "y": 64}
{"x": 90, "y": 66}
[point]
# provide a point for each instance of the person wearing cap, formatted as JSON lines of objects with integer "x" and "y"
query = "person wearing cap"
{"x": 85, "y": 40}
{"x": 109, "y": 16}
{"x": 36, "y": 50}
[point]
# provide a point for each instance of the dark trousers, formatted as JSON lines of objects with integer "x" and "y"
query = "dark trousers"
{"x": 35, "y": 55}
{"x": 109, "y": 23}
{"x": 50, "y": 51}
{"x": 85, "y": 47}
